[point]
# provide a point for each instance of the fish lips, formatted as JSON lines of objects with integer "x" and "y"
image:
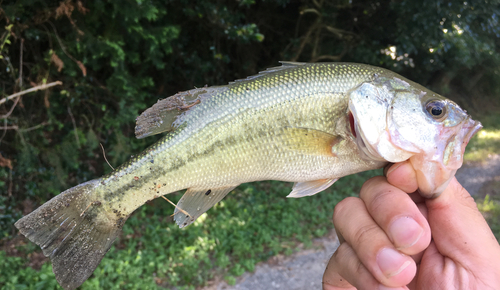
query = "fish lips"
{"x": 435, "y": 170}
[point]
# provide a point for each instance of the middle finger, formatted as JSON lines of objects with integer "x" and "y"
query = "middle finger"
{"x": 396, "y": 213}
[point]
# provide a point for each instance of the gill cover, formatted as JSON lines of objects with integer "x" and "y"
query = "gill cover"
{"x": 369, "y": 106}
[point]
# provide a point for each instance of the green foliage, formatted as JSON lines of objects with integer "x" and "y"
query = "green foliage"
{"x": 116, "y": 58}
{"x": 490, "y": 208}
{"x": 255, "y": 222}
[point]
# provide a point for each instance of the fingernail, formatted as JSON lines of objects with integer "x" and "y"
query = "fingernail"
{"x": 391, "y": 262}
{"x": 405, "y": 232}
{"x": 392, "y": 168}
{"x": 382, "y": 287}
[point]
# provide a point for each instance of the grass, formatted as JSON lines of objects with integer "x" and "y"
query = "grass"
{"x": 490, "y": 208}
{"x": 485, "y": 143}
{"x": 482, "y": 145}
{"x": 487, "y": 140}
{"x": 255, "y": 222}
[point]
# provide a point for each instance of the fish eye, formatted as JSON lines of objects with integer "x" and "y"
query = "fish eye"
{"x": 437, "y": 109}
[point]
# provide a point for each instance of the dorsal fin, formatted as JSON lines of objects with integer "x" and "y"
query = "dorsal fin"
{"x": 284, "y": 66}
{"x": 166, "y": 114}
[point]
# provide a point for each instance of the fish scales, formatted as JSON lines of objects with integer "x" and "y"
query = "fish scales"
{"x": 230, "y": 139}
{"x": 305, "y": 123}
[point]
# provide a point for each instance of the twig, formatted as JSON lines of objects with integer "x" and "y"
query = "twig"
{"x": 60, "y": 42}
{"x": 104, "y": 154}
{"x": 305, "y": 40}
{"x": 13, "y": 127}
{"x": 310, "y": 10}
{"x": 34, "y": 127}
{"x": 80, "y": 64}
{"x": 318, "y": 4}
{"x": 11, "y": 109}
{"x": 21, "y": 65}
{"x": 75, "y": 129}
{"x": 180, "y": 209}
{"x": 33, "y": 89}
{"x": 10, "y": 183}
{"x": 4, "y": 131}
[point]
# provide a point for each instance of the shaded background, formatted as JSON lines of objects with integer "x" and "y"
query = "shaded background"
{"x": 116, "y": 58}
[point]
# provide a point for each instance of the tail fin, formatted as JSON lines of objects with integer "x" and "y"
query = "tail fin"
{"x": 74, "y": 231}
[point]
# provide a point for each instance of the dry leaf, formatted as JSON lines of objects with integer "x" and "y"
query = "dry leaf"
{"x": 65, "y": 8}
{"x": 80, "y": 7}
{"x": 4, "y": 162}
{"x": 82, "y": 67}
{"x": 57, "y": 61}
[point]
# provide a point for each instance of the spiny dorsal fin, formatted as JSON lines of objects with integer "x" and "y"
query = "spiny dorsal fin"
{"x": 308, "y": 188}
{"x": 167, "y": 114}
{"x": 284, "y": 66}
{"x": 197, "y": 201}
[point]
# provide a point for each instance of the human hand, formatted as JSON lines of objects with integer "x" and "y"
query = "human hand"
{"x": 385, "y": 237}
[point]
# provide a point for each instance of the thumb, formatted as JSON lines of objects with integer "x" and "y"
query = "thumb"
{"x": 458, "y": 229}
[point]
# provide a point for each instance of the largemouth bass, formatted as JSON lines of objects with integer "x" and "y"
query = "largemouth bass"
{"x": 305, "y": 123}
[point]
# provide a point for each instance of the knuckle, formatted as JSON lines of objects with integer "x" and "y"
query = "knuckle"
{"x": 343, "y": 253}
{"x": 365, "y": 234}
{"x": 380, "y": 199}
{"x": 343, "y": 207}
{"x": 372, "y": 184}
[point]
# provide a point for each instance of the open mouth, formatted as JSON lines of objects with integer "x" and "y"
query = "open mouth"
{"x": 470, "y": 130}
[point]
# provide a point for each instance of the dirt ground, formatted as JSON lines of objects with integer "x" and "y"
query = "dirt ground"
{"x": 304, "y": 269}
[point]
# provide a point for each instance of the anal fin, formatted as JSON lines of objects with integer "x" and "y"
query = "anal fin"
{"x": 197, "y": 201}
{"x": 308, "y": 188}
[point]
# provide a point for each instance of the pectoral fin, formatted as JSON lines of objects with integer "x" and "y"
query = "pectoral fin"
{"x": 197, "y": 201}
{"x": 310, "y": 141}
{"x": 307, "y": 188}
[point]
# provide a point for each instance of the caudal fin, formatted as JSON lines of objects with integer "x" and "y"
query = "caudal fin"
{"x": 74, "y": 231}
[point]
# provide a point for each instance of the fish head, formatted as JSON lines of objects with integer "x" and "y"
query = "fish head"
{"x": 395, "y": 119}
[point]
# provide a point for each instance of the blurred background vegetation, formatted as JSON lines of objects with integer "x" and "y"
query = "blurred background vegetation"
{"x": 116, "y": 58}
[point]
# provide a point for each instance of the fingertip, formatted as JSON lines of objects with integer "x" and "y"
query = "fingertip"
{"x": 403, "y": 176}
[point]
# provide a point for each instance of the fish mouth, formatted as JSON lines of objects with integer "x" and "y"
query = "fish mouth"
{"x": 434, "y": 172}
{"x": 470, "y": 130}
{"x": 452, "y": 156}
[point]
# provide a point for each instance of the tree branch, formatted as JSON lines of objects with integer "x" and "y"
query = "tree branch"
{"x": 33, "y": 89}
